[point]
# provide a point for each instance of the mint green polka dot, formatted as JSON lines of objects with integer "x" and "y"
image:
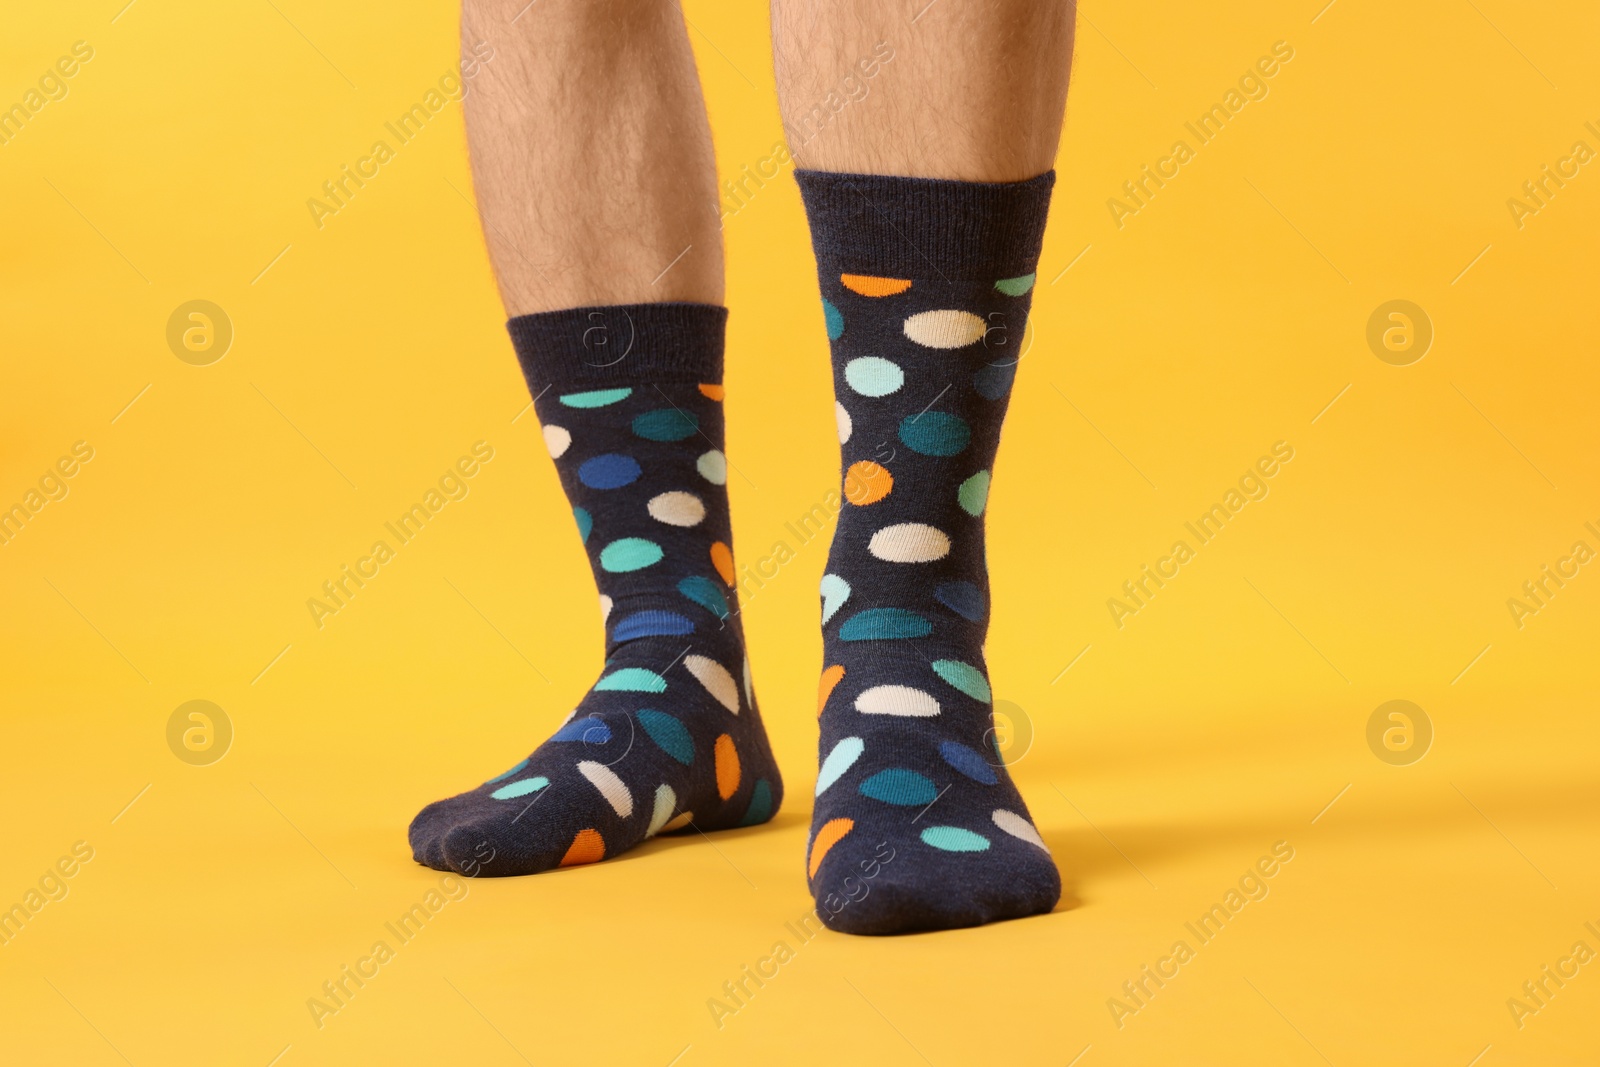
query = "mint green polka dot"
{"x": 973, "y": 493}
{"x": 629, "y": 554}
{"x": 598, "y": 398}
{"x": 965, "y": 677}
{"x": 1015, "y": 286}
{"x": 871, "y": 376}
{"x": 520, "y": 789}
{"x": 632, "y": 680}
{"x": 954, "y": 839}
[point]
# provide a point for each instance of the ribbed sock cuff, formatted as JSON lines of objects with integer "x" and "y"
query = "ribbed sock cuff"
{"x": 620, "y": 344}
{"x": 925, "y": 227}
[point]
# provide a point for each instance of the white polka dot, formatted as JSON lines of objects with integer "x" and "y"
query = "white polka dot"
{"x": 677, "y": 509}
{"x": 749, "y": 694}
{"x": 713, "y": 467}
{"x": 666, "y": 800}
{"x": 557, "y": 440}
{"x": 605, "y": 779}
{"x": 605, "y": 607}
{"x": 945, "y": 329}
{"x": 909, "y": 542}
{"x": 897, "y": 700}
{"x": 1018, "y": 827}
{"x": 716, "y": 679}
{"x": 843, "y": 418}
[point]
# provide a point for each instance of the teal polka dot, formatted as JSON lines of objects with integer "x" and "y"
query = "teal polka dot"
{"x": 704, "y": 591}
{"x": 884, "y": 624}
{"x": 934, "y": 433}
{"x": 507, "y": 774}
{"x": 520, "y": 789}
{"x": 598, "y": 398}
{"x": 1015, "y": 286}
{"x": 965, "y": 677}
{"x": 666, "y": 424}
{"x": 629, "y": 554}
{"x": 585, "y": 523}
{"x": 760, "y": 809}
{"x": 670, "y": 735}
{"x": 906, "y": 788}
{"x": 632, "y": 680}
{"x": 871, "y": 376}
{"x": 954, "y": 839}
{"x": 973, "y": 493}
{"x": 834, "y": 319}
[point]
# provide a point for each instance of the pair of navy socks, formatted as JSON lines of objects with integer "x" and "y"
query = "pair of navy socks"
{"x": 926, "y": 287}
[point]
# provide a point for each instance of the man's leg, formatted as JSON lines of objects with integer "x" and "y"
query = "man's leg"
{"x": 927, "y": 203}
{"x": 592, "y": 160}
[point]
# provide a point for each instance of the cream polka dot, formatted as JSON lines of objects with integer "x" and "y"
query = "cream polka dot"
{"x": 842, "y": 417}
{"x": 677, "y": 509}
{"x": 716, "y": 679}
{"x": 713, "y": 467}
{"x": 557, "y": 439}
{"x": 897, "y": 700}
{"x": 909, "y": 542}
{"x": 1018, "y": 827}
{"x": 945, "y": 329}
{"x": 605, "y": 779}
{"x": 605, "y": 607}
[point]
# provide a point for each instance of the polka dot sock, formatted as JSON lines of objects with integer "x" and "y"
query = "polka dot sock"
{"x": 669, "y": 737}
{"x": 926, "y": 286}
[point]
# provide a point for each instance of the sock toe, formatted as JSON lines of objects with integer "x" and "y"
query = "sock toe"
{"x": 922, "y": 888}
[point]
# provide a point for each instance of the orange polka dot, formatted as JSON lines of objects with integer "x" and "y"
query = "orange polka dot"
{"x": 872, "y": 285}
{"x": 867, "y": 483}
{"x": 831, "y": 834}
{"x": 727, "y": 760}
{"x": 715, "y": 392}
{"x": 830, "y": 678}
{"x": 587, "y": 847}
{"x": 722, "y": 559}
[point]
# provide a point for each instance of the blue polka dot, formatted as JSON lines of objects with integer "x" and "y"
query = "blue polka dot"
{"x": 884, "y": 624}
{"x": 994, "y": 381}
{"x": 934, "y": 433}
{"x": 610, "y": 471}
{"x": 670, "y": 735}
{"x": 963, "y": 598}
{"x": 520, "y": 789}
{"x": 585, "y": 523}
{"x": 954, "y": 839}
{"x": 704, "y": 591}
{"x": 507, "y": 774}
{"x": 651, "y": 624}
{"x": 897, "y": 786}
{"x": 835, "y": 320}
{"x": 968, "y": 762}
{"x": 629, "y": 554}
{"x": 666, "y": 424}
{"x": 589, "y": 730}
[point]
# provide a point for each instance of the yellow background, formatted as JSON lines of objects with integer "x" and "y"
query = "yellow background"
{"x": 1224, "y": 717}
